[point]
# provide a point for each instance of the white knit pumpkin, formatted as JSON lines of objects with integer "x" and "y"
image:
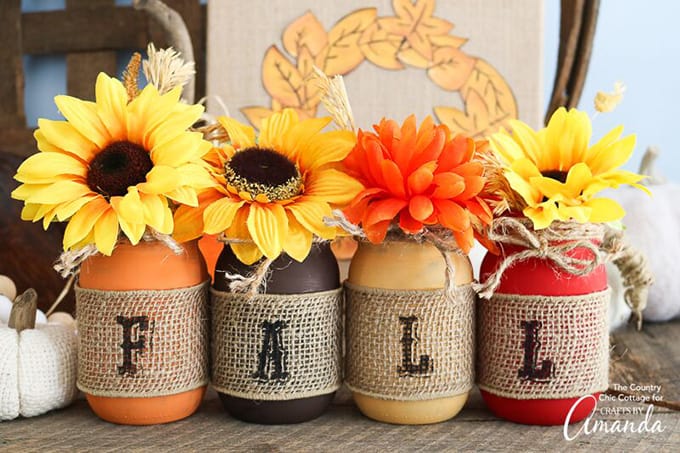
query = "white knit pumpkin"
{"x": 37, "y": 369}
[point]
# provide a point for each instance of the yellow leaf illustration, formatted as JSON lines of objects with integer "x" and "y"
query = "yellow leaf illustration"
{"x": 311, "y": 92}
{"x": 414, "y": 58}
{"x": 281, "y": 79}
{"x": 305, "y": 31}
{"x": 380, "y": 48}
{"x": 414, "y": 22}
{"x": 343, "y": 53}
{"x": 447, "y": 41}
{"x": 451, "y": 68}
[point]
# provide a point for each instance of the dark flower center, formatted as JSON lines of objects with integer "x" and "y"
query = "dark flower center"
{"x": 117, "y": 167}
{"x": 264, "y": 171}
{"x": 557, "y": 175}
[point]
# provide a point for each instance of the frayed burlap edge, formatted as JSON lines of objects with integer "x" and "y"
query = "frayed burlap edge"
{"x": 580, "y": 369}
{"x": 445, "y": 333}
{"x": 183, "y": 312}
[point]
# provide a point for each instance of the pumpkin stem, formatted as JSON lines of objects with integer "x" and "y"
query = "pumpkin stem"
{"x": 23, "y": 311}
{"x": 648, "y": 167}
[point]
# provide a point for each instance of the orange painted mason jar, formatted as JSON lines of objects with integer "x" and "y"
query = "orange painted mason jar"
{"x": 143, "y": 332}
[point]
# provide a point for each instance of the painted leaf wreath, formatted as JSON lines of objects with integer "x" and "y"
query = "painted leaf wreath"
{"x": 273, "y": 189}
{"x": 417, "y": 177}
{"x": 413, "y": 37}
{"x": 116, "y": 164}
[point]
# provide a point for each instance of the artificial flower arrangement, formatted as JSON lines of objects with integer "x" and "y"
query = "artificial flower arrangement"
{"x": 416, "y": 219}
{"x": 543, "y": 338}
{"x": 276, "y": 283}
{"x": 116, "y": 169}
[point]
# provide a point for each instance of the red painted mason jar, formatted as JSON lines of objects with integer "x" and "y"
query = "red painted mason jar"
{"x": 543, "y": 338}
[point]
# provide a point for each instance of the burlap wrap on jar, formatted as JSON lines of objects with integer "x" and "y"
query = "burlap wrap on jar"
{"x": 276, "y": 347}
{"x": 142, "y": 343}
{"x": 543, "y": 347}
{"x": 409, "y": 345}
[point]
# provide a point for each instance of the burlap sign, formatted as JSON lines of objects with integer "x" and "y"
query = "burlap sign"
{"x": 543, "y": 347}
{"x": 276, "y": 346}
{"x": 142, "y": 343}
{"x": 409, "y": 344}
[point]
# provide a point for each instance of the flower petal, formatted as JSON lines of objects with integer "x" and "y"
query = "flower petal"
{"x": 240, "y": 135}
{"x": 268, "y": 226}
{"x": 332, "y": 186}
{"x": 325, "y": 148}
{"x": 112, "y": 105}
{"x": 383, "y": 210}
{"x": 161, "y": 179}
{"x": 298, "y": 241}
{"x": 310, "y": 212}
{"x": 419, "y": 181}
{"x": 48, "y": 167}
{"x": 448, "y": 185}
{"x": 59, "y": 192}
{"x": 64, "y": 136}
{"x": 82, "y": 115}
{"x": 451, "y": 215}
{"x": 420, "y": 207}
{"x": 275, "y": 127}
{"x": 219, "y": 215}
{"x": 106, "y": 232}
{"x": 604, "y": 210}
{"x": 83, "y": 221}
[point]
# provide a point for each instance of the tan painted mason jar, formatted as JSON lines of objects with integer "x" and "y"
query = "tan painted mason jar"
{"x": 410, "y": 345}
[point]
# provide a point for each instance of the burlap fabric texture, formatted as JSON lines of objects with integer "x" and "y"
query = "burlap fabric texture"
{"x": 543, "y": 347}
{"x": 276, "y": 346}
{"x": 409, "y": 344}
{"x": 142, "y": 343}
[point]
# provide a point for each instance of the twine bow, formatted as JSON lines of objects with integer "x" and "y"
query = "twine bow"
{"x": 553, "y": 243}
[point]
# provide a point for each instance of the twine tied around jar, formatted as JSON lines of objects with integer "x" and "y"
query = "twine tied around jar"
{"x": 558, "y": 240}
{"x": 69, "y": 262}
{"x": 441, "y": 238}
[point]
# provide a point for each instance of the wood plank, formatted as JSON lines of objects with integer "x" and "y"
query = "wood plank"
{"x": 82, "y": 68}
{"x": 646, "y": 358}
{"x": 342, "y": 428}
{"x": 83, "y": 30}
{"x": 11, "y": 66}
{"x": 18, "y": 141}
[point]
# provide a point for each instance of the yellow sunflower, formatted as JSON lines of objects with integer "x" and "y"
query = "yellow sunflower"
{"x": 557, "y": 174}
{"x": 114, "y": 165}
{"x": 274, "y": 189}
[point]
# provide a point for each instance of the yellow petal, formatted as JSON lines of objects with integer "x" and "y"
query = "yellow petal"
{"x": 609, "y": 138}
{"x": 268, "y": 226}
{"x": 219, "y": 215}
{"x": 240, "y": 135}
{"x": 310, "y": 213}
{"x": 526, "y": 139}
{"x": 332, "y": 186}
{"x": 325, "y": 148}
{"x": 300, "y": 134}
{"x": 604, "y": 210}
{"x": 525, "y": 168}
{"x": 147, "y": 111}
{"x": 59, "y": 192}
{"x": 48, "y": 167}
{"x": 82, "y": 115}
{"x": 174, "y": 125}
{"x": 161, "y": 179}
{"x": 112, "y": 105}
{"x": 64, "y": 136}
{"x": 275, "y": 127}
{"x": 579, "y": 214}
{"x": 29, "y": 211}
{"x": 183, "y": 195}
{"x": 529, "y": 193}
{"x": 157, "y": 213}
{"x": 106, "y": 232}
{"x": 83, "y": 221}
{"x": 613, "y": 156}
{"x": 66, "y": 210}
{"x": 130, "y": 212}
{"x": 247, "y": 252}
{"x": 578, "y": 178}
{"x": 506, "y": 148}
{"x": 298, "y": 241}
{"x": 542, "y": 215}
{"x": 187, "y": 147}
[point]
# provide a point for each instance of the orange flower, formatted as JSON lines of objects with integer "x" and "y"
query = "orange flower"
{"x": 422, "y": 176}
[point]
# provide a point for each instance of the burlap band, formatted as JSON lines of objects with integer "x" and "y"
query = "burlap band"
{"x": 276, "y": 346}
{"x": 142, "y": 343}
{"x": 409, "y": 344}
{"x": 543, "y": 347}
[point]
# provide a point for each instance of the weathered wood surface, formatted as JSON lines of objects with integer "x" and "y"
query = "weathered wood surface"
{"x": 343, "y": 428}
{"x": 11, "y": 72}
{"x": 647, "y": 358}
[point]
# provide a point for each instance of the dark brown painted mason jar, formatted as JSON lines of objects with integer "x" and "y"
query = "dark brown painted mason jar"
{"x": 277, "y": 354}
